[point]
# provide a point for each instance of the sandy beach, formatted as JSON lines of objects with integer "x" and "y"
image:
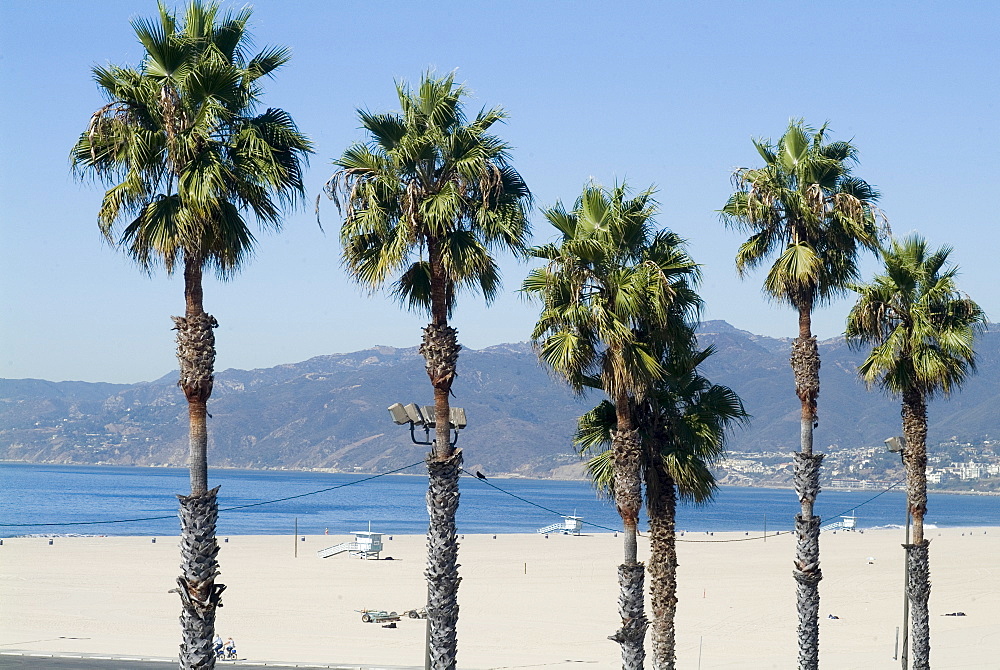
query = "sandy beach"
{"x": 526, "y": 601}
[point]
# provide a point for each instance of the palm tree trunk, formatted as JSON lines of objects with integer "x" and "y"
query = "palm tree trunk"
{"x": 442, "y": 561}
{"x": 628, "y": 498}
{"x": 807, "y": 573}
{"x": 918, "y": 587}
{"x": 440, "y": 351}
{"x": 200, "y": 595}
{"x": 661, "y": 494}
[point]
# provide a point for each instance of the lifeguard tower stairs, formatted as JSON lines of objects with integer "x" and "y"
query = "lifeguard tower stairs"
{"x": 366, "y": 544}
{"x": 570, "y": 525}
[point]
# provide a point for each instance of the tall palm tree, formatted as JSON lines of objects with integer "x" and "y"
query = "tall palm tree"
{"x": 187, "y": 158}
{"x": 805, "y": 208}
{"x": 682, "y": 426}
{"x": 921, "y": 330}
{"x": 610, "y": 276}
{"x": 426, "y": 201}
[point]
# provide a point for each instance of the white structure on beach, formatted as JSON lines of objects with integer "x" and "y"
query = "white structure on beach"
{"x": 570, "y": 525}
{"x": 366, "y": 544}
{"x": 847, "y": 523}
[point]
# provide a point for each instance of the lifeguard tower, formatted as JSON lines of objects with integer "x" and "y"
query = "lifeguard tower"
{"x": 570, "y": 525}
{"x": 366, "y": 544}
{"x": 847, "y": 523}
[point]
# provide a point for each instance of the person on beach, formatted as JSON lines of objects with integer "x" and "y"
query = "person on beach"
{"x": 230, "y": 648}
{"x": 217, "y": 644}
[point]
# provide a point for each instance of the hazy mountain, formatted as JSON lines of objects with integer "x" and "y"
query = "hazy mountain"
{"x": 330, "y": 411}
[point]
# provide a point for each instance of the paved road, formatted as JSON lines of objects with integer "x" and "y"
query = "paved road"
{"x": 40, "y": 661}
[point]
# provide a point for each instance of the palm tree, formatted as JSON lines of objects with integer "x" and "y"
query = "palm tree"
{"x": 425, "y": 202}
{"x": 609, "y": 277}
{"x": 187, "y": 158}
{"x": 807, "y": 209}
{"x": 683, "y": 425}
{"x": 921, "y": 329}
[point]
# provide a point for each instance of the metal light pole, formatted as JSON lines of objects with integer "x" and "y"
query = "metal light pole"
{"x": 898, "y": 445}
{"x": 415, "y": 415}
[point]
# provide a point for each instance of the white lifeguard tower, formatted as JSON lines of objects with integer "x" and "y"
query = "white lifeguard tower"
{"x": 366, "y": 544}
{"x": 570, "y": 525}
{"x": 847, "y": 523}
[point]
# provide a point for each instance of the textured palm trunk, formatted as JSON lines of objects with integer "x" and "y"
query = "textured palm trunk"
{"x": 918, "y": 586}
{"x": 200, "y": 595}
{"x": 628, "y": 498}
{"x": 661, "y": 495}
{"x": 440, "y": 351}
{"x": 807, "y": 573}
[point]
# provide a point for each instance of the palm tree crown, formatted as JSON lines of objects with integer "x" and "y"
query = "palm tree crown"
{"x": 807, "y": 208}
{"x": 428, "y": 197}
{"x": 922, "y": 329}
{"x": 183, "y": 148}
{"x": 610, "y": 281}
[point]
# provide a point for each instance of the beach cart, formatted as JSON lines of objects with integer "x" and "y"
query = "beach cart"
{"x": 377, "y": 616}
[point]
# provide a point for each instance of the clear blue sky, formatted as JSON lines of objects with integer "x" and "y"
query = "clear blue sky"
{"x": 656, "y": 93}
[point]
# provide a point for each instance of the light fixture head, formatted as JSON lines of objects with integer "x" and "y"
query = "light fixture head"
{"x": 457, "y": 418}
{"x": 896, "y": 444}
{"x": 414, "y": 415}
{"x": 398, "y": 414}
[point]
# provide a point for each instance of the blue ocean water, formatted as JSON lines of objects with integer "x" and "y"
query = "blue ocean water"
{"x": 32, "y": 496}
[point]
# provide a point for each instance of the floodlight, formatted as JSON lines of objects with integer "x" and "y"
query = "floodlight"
{"x": 457, "y": 418}
{"x": 430, "y": 415}
{"x": 398, "y": 414}
{"x": 413, "y": 414}
{"x": 896, "y": 444}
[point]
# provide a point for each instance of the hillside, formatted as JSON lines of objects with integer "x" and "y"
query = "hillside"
{"x": 330, "y": 411}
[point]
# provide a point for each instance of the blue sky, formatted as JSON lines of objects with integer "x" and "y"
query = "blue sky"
{"x": 654, "y": 93}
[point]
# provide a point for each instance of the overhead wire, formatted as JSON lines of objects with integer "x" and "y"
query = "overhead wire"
{"x": 616, "y": 530}
{"x": 397, "y": 470}
{"x": 222, "y": 509}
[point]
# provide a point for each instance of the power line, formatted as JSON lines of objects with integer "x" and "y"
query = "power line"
{"x": 615, "y": 530}
{"x": 534, "y": 504}
{"x": 224, "y": 509}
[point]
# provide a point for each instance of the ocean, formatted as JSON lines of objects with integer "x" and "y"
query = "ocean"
{"x": 107, "y": 500}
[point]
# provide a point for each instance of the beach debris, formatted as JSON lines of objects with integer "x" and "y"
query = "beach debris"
{"x": 955, "y": 614}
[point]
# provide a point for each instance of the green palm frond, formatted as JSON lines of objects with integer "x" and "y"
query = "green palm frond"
{"x": 920, "y": 327}
{"x": 611, "y": 276}
{"x": 181, "y": 148}
{"x": 805, "y": 208}
{"x": 683, "y": 423}
{"x": 429, "y": 187}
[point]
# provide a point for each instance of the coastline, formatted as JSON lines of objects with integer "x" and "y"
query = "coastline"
{"x": 556, "y": 596}
{"x": 499, "y": 476}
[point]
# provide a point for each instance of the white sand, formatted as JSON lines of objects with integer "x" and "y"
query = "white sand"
{"x": 526, "y": 601}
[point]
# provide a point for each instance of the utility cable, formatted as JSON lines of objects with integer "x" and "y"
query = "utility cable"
{"x": 615, "y": 530}
{"x": 223, "y": 509}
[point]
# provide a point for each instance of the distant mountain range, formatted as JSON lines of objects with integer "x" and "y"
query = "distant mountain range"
{"x": 329, "y": 412}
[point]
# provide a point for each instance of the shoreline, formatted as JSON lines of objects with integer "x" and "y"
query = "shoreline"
{"x": 500, "y": 476}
